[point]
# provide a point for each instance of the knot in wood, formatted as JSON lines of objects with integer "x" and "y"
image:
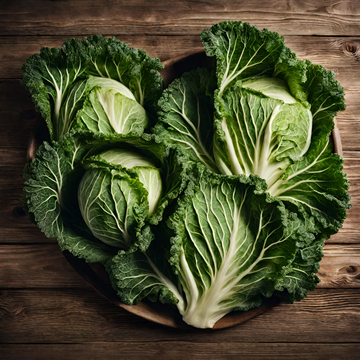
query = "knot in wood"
{"x": 351, "y": 49}
{"x": 19, "y": 211}
{"x": 351, "y": 269}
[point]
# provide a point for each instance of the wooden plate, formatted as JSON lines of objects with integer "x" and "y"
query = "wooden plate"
{"x": 95, "y": 274}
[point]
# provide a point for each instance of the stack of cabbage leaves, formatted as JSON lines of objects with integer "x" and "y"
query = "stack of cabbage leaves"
{"x": 211, "y": 195}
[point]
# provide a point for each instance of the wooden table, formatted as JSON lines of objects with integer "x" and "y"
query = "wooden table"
{"x": 47, "y": 311}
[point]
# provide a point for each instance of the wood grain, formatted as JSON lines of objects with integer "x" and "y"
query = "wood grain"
{"x": 340, "y": 267}
{"x": 46, "y": 267}
{"x": 179, "y": 350}
{"x": 78, "y": 315}
{"x": 36, "y": 266}
{"x": 137, "y": 17}
{"x": 41, "y": 317}
{"x": 15, "y": 226}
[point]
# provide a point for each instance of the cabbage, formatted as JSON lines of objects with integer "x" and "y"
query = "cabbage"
{"x": 226, "y": 202}
{"x": 58, "y": 79}
{"x": 110, "y": 198}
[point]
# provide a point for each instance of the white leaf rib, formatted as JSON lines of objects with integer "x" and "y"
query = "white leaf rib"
{"x": 208, "y": 241}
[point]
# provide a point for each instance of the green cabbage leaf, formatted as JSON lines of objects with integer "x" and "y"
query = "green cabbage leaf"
{"x": 229, "y": 248}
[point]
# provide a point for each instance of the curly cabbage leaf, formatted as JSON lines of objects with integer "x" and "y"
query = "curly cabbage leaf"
{"x": 274, "y": 114}
{"x": 186, "y": 116}
{"x": 229, "y": 248}
{"x": 138, "y": 275}
{"x": 230, "y": 244}
{"x": 50, "y": 195}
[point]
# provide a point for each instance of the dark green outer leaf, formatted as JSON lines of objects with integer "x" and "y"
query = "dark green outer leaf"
{"x": 49, "y": 194}
{"x": 230, "y": 245}
{"x": 296, "y": 279}
{"x": 186, "y": 116}
{"x": 242, "y": 51}
{"x": 318, "y": 186}
{"x": 137, "y": 275}
{"x": 48, "y": 77}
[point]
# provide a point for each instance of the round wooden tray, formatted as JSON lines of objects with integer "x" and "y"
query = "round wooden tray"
{"x": 95, "y": 274}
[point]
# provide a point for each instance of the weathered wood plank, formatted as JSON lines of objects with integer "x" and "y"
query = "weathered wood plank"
{"x": 17, "y": 118}
{"x": 15, "y": 225}
{"x": 44, "y": 266}
{"x": 36, "y": 266}
{"x": 26, "y": 233}
{"x": 340, "y": 267}
{"x": 31, "y": 17}
{"x": 73, "y": 316}
{"x": 179, "y": 350}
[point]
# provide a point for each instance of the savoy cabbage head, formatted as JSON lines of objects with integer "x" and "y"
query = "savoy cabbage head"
{"x": 271, "y": 115}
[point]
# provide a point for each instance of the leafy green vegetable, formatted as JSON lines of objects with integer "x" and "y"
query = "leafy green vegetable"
{"x": 273, "y": 117}
{"x": 259, "y": 134}
{"x": 225, "y": 203}
{"x": 49, "y": 194}
{"x": 228, "y": 251}
{"x": 114, "y": 200}
{"x": 109, "y": 112}
{"x": 56, "y": 77}
{"x": 113, "y": 204}
{"x": 119, "y": 192}
{"x": 229, "y": 245}
{"x": 299, "y": 277}
{"x": 318, "y": 186}
{"x": 185, "y": 119}
{"x": 138, "y": 275}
